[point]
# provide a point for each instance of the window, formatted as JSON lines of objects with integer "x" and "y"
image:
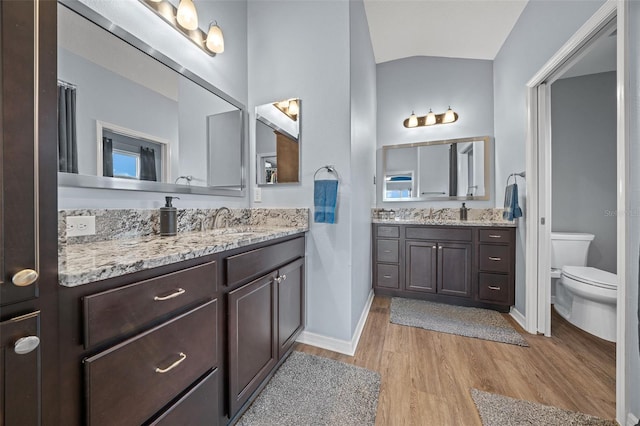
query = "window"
{"x": 126, "y": 164}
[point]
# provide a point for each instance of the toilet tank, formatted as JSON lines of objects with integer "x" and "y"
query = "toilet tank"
{"x": 569, "y": 249}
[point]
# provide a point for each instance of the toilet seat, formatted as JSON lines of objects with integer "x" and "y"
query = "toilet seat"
{"x": 591, "y": 276}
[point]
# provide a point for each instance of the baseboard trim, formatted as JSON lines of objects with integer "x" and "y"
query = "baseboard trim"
{"x": 347, "y": 347}
{"x": 517, "y": 315}
{"x": 632, "y": 420}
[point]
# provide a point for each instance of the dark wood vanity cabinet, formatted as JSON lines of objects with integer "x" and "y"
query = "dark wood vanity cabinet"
{"x": 28, "y": 222}
{"x": 265, "y": 315}
{"x": 466, "y": 265}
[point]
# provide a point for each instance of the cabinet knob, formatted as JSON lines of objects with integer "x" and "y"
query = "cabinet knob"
{"x": 25, "y": 277}
{"x": 25, "y": 345}
{"x": 284, "y": 277}
{"x": 439, "y": 247}
{"x": 434, "y": 247}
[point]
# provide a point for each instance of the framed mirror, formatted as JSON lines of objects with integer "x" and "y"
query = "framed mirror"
{"x": 131, "y": 118}
{"x": 454, "y": 169}
{"x": 278, "y": 142}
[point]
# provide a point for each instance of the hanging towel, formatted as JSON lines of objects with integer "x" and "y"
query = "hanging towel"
{"x": 511, "y": 208}
{"x": 325, "y": 196}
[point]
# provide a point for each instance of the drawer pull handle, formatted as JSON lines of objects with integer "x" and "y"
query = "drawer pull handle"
{"x": 495, "y": 236}
{"x": 492, "y": 287}
{"x": 178, "y": 292}
{"x": 495, "y": 259}
{"x": 183, "y": 356}
{"x": 387, "y": 276}
{"x": 387, "y": 251}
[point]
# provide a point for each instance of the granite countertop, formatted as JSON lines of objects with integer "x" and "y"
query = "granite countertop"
{"x": 85, "y": 263}
{"x": 413, "y": 221}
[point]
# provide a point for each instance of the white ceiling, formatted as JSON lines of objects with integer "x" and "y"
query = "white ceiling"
{"x": 474, "y": 29}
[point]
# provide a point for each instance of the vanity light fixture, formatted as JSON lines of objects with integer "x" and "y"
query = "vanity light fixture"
{"x": 293, "y": 107}
{"x": 184, "y": 19}
{"x": 289, "y": 107}
{"x": 430, "y": 119}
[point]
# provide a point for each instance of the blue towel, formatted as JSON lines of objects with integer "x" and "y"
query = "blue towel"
{"x": 511, "y": 208}
{"x": 325, "y": 196}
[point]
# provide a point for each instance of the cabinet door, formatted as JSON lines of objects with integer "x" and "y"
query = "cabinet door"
{"x": 252, "y": 331}
{"x": 290, "y": 304}
{"x": 20, "y": 375}
{"x": 421, "y": 266}
{"x": 454, "y": 269}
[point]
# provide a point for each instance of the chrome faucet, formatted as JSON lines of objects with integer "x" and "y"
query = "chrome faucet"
{"x": 435, "y": 214}
{"x": 217, "y": 213}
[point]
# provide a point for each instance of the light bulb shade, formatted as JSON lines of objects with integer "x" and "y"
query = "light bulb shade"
{"x": 215, "y": 39}
{"x": 293, "y": 107}
{"x": 449, "y": 116}
{"x": 187, "y": 16}
{"x": 431, "y": 118}
{"x": 413, "y": 120}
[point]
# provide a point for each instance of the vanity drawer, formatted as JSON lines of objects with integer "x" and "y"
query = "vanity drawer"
{"x": 438, "y": 233}
{"x": 126, "y": 309}
{"x": 127, "y": 384}
{"x": 494, "y": 258}
{"x": 254, "y": 263}
{"x": 387, "y": 276}
{"x": 198, "y": 407}
{"x": 388, "y": 231}
{"x": 493, "y": 288}
{"x": 387, "y": 251}
{"x": 495, "y": 236}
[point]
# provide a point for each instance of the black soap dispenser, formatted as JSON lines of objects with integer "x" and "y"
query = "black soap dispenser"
{"x": 168, "y": 218}
{"x": 463, "y": 212}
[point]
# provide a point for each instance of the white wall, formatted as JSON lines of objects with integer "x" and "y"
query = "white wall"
{"x": 227, "y": 71}
{"x": 363, "y": 137}
{"x": 543, "y": 27}
{"x": 583, "y": 118}
{"x": 419, "y": 83}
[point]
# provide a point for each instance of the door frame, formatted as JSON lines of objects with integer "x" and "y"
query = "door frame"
{"x": 538, "y": 142}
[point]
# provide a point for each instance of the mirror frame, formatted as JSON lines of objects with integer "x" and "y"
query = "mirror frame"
{"x": 101, "y": 182}
{"x": 487, "y": 169}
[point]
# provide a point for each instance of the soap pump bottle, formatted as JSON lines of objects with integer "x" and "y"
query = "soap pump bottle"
{"x": 463, "y": 212}
{"x": 168, "y": 218}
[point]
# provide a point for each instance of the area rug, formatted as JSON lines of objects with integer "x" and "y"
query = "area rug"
{"x": 312, "y": 390}
{"x": 470, "y": 322}
{"x": 499, "y": 410}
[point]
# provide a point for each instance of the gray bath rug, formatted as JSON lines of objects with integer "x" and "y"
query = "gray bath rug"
{"x": 498, "y": 410}
{"x": 312, "y": 390}
{"x": 470, "y": 322}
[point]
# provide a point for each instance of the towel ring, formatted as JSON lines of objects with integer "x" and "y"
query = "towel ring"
{"x": 329, "y": 169}
{"x": 515, "y": 177}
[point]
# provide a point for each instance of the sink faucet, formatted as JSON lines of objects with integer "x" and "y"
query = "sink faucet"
{"x": 217, "y": 213}
{"x": 435, "y": 214}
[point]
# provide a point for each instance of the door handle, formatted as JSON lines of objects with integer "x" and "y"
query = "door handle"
{"x": 24, "y": 345}
{"x": 25, "y": 278}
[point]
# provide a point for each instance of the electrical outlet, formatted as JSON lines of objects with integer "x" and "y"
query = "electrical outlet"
{"x": 257, "y": 194}
{"x": 81, "y": 225}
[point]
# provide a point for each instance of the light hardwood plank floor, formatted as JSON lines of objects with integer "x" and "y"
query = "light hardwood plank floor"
{"x": 426, "y": 375}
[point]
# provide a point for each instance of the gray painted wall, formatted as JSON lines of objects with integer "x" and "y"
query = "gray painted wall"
{"x": 541, "y": 30}
{"x": 632, "y": 368}
{"x": 227, "y": 71}
{"x": 363, "y": 136}
{"x": 419, "y": 83}
{"x": 583, "y": 116}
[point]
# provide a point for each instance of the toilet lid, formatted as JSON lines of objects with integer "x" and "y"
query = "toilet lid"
{"x": 591, "y": 276}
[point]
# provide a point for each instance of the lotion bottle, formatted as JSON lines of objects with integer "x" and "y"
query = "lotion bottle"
{"x": 168, "y": 218}
{"x": 463, "y": 212}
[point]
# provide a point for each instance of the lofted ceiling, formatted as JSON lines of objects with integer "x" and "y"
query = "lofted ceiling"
{"x": 474, "y": 29}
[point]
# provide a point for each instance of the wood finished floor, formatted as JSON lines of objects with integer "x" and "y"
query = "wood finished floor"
{"x": 426, "y": 375}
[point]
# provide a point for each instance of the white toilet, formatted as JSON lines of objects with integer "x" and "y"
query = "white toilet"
{"x": 584, "y": 296}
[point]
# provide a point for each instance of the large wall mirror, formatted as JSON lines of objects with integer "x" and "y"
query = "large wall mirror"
{"x": 128, "y": 120}
{"x": 278, "y": 142}
{"x": 455, "y": 169}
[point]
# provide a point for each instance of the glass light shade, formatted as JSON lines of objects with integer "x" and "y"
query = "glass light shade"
{"x": 215, "y": 39}
{"x": 431, "y": 118}
{"x": 293, "y": 107}
{"x": 448, "y": 116}
{"x": 413, "y": 120}
{"x": 187, "y": 16}
{"x": 156, "y": 1}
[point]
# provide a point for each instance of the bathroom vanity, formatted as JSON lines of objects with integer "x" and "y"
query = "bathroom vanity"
{"x": 188, "y": 342}
{"x": 457, "y": 263}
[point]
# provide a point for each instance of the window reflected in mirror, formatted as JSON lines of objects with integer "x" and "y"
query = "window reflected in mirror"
{"x": 278, "y": 142}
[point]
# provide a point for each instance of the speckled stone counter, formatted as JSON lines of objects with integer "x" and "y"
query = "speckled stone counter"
{"x": 509, "y": 224}
{"x": 85, "y": 263}
{"x": 444, "y": 216}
